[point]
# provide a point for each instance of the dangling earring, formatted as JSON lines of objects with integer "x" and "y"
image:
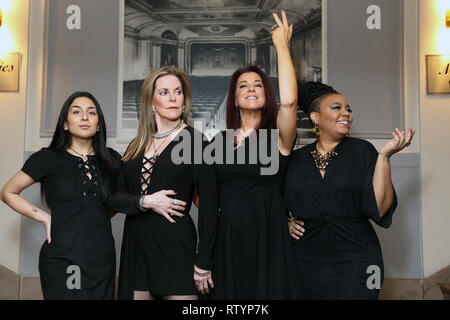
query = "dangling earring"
{"x": 316, "y": 130}
{"x": 153, "y": 109}
{"x": 98, "y": 129}
{"x": 238, "y": 114}
{"x": 65, "y": 128}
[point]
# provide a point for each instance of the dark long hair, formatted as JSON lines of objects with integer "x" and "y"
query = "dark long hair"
{"x": 109, "y": 164}
{"x": 269, "y": 111}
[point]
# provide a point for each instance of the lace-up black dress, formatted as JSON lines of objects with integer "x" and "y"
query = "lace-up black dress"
{"x": 159, "y": 256}
{"x": 340, "y": 250}
{"x": 81, "y": 236}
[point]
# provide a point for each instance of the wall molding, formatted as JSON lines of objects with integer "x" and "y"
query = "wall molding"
{"x": 15, "y": 287}
{"x": 9, "y": 284}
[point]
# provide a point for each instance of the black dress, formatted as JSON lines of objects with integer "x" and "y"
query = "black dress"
{"x": 253, "y": 254}
{"x": 339, "y": 243}
{"x": 81, "y": 235}
{"x": 158, "y": 256}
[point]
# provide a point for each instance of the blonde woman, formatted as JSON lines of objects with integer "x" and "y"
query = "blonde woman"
{"x": 159, "y": 255}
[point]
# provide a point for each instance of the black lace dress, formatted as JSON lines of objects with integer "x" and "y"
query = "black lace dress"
{"x": 339, "y": 255}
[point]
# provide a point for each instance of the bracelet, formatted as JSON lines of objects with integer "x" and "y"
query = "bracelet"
{"x": 141, "y": 203}
{"x": 202, "y": 274}
{"x": 290, "y": 218}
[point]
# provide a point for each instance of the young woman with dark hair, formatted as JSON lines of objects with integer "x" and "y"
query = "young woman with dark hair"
{"x": 253, "y": 259}
{"x": 77, "y": 175}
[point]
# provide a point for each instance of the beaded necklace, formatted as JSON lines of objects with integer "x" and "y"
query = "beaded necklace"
{"x": 322, "y": 161}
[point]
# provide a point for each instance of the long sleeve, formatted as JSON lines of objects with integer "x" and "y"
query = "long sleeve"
{"x": 205, "y": 181}
{"x": 122, "y": 200}
{"x": 369, "y": 202}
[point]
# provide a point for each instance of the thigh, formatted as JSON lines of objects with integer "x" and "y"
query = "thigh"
{"x": 181, "y": 297}
{"x": 142, "y": 295}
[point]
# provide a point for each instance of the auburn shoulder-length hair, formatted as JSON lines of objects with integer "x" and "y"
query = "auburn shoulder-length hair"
{"x": 269, "y": 111}
{"x": 147, "y": 124}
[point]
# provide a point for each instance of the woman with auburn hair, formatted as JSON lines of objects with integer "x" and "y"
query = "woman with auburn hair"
{"x": 253, "y": 258}
{"x": 155, "y": 191}
{"x": 77, "y": 174}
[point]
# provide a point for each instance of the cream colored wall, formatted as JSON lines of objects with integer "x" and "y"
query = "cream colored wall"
{"x": 33, "y": 140}
{"x": 434, "y": 141}
{"x": 12, "y": 129}
{"x": 433, "y": 116}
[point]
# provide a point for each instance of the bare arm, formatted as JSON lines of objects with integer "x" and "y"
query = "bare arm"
{"x": 382, "y": 182}
{"x": 10, "y": 194}
{"x": 287, "y": 82}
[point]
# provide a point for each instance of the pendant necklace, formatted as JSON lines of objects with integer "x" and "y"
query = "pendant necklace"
{"x": 84, "y": 156}
{"x": 155, "y": 150}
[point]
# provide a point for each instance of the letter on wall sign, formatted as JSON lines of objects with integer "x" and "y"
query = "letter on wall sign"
{"x": 374, "y": 20}
{"x": 74, "y": 18}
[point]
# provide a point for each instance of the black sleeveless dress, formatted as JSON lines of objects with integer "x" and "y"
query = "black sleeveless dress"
{"x": 81, "y": 236}
{"x": 253, "y": 254}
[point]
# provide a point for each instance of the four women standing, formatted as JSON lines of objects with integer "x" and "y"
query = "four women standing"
{"x": 333, "y": 187}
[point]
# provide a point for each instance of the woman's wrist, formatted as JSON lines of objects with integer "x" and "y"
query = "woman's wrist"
{"x": 143, "y": 204}
{"x": 384, "y": 156}
{"x": 201, "y": 272}
{"x": 280, "y": 47}
{"x": 41, "y": 216}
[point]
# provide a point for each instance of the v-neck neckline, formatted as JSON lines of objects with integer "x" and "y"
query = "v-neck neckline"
{"x": 314, "y": 147}
{"x": 166, "y": 147}
{"x": 141, "y": 159}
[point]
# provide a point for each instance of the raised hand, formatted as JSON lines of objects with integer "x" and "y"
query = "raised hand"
{"x": 282, "y": 34}
{"x": 161, "y": 203}
{"x": 398, "y": 142}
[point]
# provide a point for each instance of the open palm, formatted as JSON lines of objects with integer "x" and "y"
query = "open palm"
{"x": 399, "y": 141}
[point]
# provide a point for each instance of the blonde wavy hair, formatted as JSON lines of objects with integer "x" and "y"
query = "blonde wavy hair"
{"x": 147, "y": 124}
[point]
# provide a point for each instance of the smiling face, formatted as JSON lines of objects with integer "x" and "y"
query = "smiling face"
{"x": 168, "y": 98}
{"x": 82, "y": 118}
{"x": 250, "y": 94}
{"x": 335, "y": 116}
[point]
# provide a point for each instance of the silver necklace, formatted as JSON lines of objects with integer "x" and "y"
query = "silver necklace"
{"x": 155, "y": 150}
{"x": 83, "y": 155}
{"x": 165, "y": 134}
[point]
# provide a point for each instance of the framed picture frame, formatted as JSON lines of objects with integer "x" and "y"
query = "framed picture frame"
{"x": 438, "y": 74}
{"x": 9, "y": 72}
{"x": 209, "y": 42}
